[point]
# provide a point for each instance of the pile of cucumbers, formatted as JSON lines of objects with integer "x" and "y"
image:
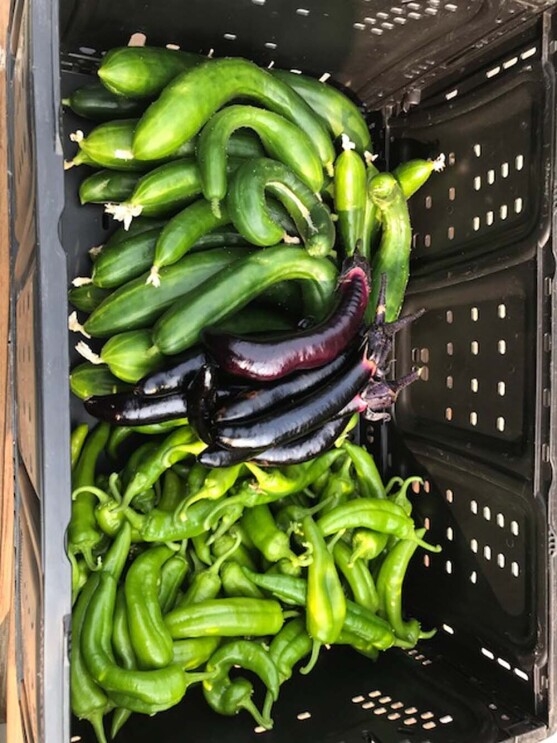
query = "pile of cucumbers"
{"x": 250, "y": 210}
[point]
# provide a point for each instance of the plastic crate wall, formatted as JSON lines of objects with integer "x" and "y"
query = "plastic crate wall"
{"x": 450, "y": 689}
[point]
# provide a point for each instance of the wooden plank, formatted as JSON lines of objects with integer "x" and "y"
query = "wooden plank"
{"x": 7, "y": 658}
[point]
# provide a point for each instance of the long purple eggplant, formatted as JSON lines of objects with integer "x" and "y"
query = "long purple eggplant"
{"x": 175, "y": 377}
{"x": 302, "y": 415}
{"x": 201, "y": 396}
{"x": 273, "y": 358}
{"x": 253, "y": 402}
{"x": 128, "y": 409}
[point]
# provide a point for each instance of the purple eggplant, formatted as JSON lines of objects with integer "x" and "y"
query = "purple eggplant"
{"x": 128, "y": 409}
{"x": 175, "y": 377}
{"x": 273, "y": 358}
{"x": 299, "y": 417}
{"x": 252, "y": 402}
{"x": 201, "y": 397}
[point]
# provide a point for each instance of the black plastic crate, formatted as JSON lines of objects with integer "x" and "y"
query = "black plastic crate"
{"x": 474, "y": 81}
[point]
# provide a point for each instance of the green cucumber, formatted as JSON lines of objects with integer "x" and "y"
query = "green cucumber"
{"x": 138, "y": 304}
{"x": 181, "y": 233}
{"x": 107, "y": 185}
{"x": 341, "y": 115}
{"x": 95, "y": 102}
{"x": 89, "y": 379}
{"x": 282, "y": 140}
{"x": 139, "y": 225}
{"x": 109, "y": 145}
{"x": 393, "y": 255}
{"x": 187, "y": 103}
{"x": 250, "y": 215}
{"x": 237, "y": 285}
{"x": 162, "y": 191}
{"x": 129, "y": 356}
{"x": 350, "y": 197}
{"x": 372, "y": 220}
{"x": 412, "y": 174}
{"x": 143, "y": 71}
{"x": 87, "y": 297}
{"x": 117, "y": 263}
{"x": 256, "y": 318}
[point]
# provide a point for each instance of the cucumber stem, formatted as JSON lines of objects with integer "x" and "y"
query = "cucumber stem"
{"x": 69, "y": 164}
{"x": 88, "y": 354}
{"x": 346, "y": 142}
{"x": 82, "y": 281}
{"x": 439, "y": 163}
{"x": 124, "y": 212}
{"x": 95, "y": 250}
{"x": 153, "y": 277}
{"x": 75, "y": 326}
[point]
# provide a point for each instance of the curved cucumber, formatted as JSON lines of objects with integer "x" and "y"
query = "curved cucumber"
{"x": 120, "y": 262}
{"x": 143, "y": 71}
{"x": 251, "y": 217}
{"x": 89, "y": 379}
{"x": 237, "y": 285}
{"x": 181, "y": 233}
{"x": 282, "y": 140}
{"x": 129, "y": 356}
{"x": 138, "y": 304}
{"x": 393, "y": 255}
{"x": 188, "y": 102}
{"x": 107, "y": 185}
{"x": 97, "y": 103}
{"x": 341, "y": 115}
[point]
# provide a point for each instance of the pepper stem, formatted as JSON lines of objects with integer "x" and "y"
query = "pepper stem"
{"x": 267, "y": 705}
{"x": 259, "y": 718}
{"x": 96, "y": 720}
{"x": 101, "y": 494}
{"x": 316, "y": 648}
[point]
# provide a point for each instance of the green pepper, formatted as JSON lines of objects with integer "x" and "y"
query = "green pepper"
{"x": 227, "y": 617}
{"x": 359, "y": 621}
{"x": 325, "y": 603}
{"x": 174, "y": 447}
{"x": 261, "y": 528}
{"x": 358, "y": 577}
{"x": 242, "y": 554}
{"x": 77, "y": 440}
{"x": 287, "y": 648}
{"x": 369, "y": 479}
{"x": 389, "y": 588}
{"x": 236, "y": 583}
{"x": 151, "y": 640}
{"x": 367, "y": 544}
{"x": 84, "y": 536}
{"x": 227, "y": 696}
{"x": 194, "y": 652}
{"x": 207, "y": 583}
{"x": 87, "y": 699}
{"x": 173, "y": 491}
{"x": 173, "y": 573}
{"x": 124, "y": 653}
{"x": 371, "y": 513}
{"x": 147, "y": 692}
{"x": 216, "y": 484}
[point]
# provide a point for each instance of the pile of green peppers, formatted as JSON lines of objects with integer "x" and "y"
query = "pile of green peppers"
{"x": 180, "y": 572}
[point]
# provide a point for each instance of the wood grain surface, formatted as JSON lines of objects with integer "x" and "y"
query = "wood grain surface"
{"x": 9, "y": 708}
